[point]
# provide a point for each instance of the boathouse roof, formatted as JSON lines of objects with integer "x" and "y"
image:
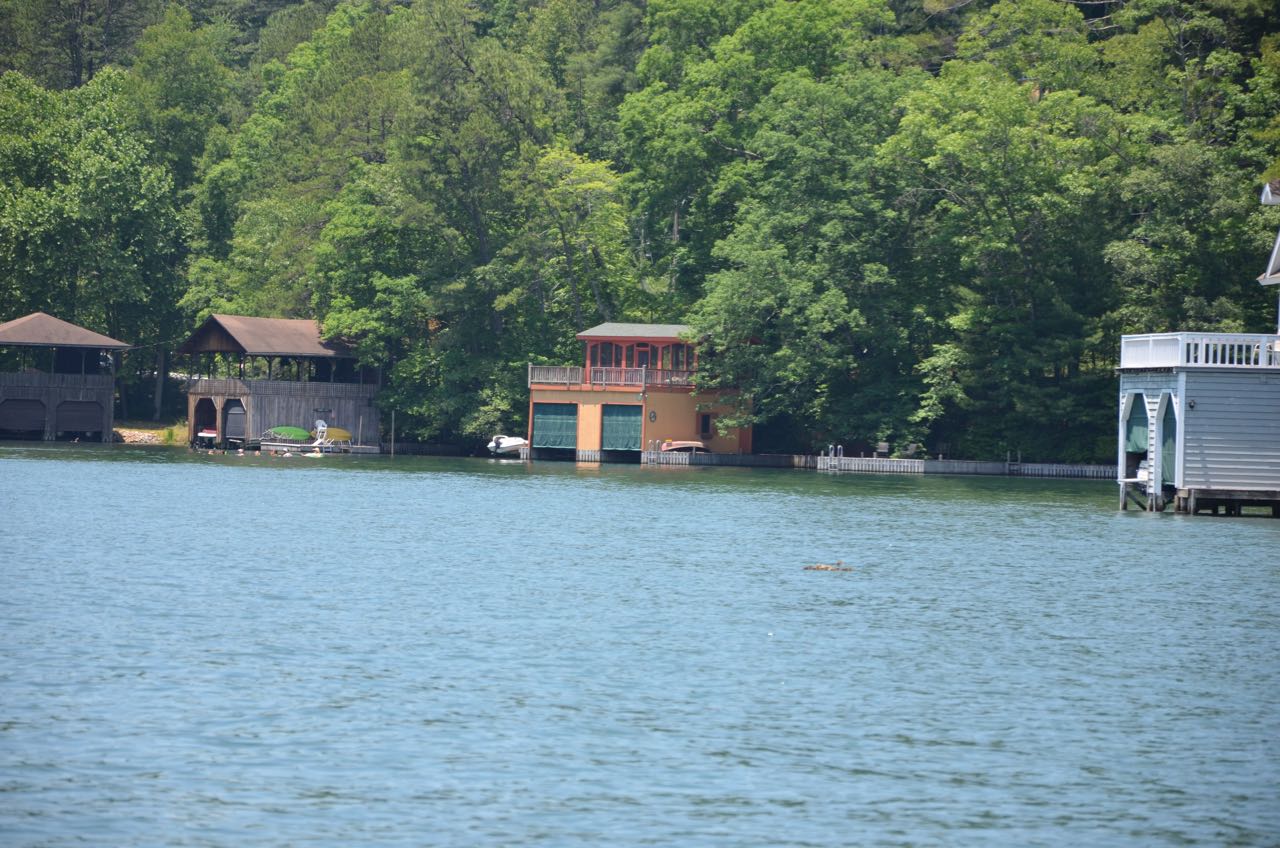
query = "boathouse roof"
{"x": 41, "y": 330}
{"x": 614, "y": 330}
{"x": 263, "y": 337}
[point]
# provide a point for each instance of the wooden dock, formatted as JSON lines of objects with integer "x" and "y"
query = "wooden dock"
{"x": 883, "y": 465}
{"x": 762, "y": 460}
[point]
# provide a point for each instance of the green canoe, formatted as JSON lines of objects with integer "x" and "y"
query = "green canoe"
{"x": 293, "y": 434}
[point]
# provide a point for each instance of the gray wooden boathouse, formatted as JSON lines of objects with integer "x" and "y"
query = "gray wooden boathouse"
{"x": 252, "y": 374}
{"x": 57, "y": 378}
{"x": 1199, "y": 423}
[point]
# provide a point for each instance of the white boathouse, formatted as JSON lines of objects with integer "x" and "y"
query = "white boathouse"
{"x": 1199, "y": 416}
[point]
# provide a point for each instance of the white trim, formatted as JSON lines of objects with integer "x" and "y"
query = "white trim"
{"x": 1126, "y": 409}
{"x": 1271, "y": 277}
{"x": 1167, "y": 399}
{"x": 1181, "y": 414}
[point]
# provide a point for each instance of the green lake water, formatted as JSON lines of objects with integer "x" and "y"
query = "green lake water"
{"x": 221, "y": 650}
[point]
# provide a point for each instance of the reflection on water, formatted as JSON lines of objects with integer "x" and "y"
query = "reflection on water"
{"x": 224, "y": 650}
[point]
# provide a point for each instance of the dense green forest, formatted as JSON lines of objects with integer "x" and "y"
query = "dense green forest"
{"x": 886, "y": 220}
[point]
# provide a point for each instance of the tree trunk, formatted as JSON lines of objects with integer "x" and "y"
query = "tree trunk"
{"x": 162, "y": 372}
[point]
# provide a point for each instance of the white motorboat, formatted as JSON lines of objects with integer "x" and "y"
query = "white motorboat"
{"x": 506, "y": 445}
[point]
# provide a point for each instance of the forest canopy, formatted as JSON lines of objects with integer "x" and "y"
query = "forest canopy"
{"x": 912, "y": 221}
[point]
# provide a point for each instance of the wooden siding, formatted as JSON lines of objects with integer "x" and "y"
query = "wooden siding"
{"x": 53, "y": 390}
{"x": 271, "y": 403}
{"x": 1232, "y": 435}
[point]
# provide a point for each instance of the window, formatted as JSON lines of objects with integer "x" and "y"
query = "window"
{"x": 642, "y": 356}
{"x": 609, "y": 355}
{"x": 705, "y": 422}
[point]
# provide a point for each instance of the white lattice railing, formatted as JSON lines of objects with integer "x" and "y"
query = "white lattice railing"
{"x": 1206, "y": 350}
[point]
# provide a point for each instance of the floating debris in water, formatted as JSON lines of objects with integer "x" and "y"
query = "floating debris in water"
{"x": 838, "y": 565}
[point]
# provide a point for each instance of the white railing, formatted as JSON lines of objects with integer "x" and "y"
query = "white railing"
{"x": 573, "y": 375}
{"x": 1204, "y": 350}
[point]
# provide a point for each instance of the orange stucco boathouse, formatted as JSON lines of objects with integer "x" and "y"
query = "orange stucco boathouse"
{"x": 633, "y": 392}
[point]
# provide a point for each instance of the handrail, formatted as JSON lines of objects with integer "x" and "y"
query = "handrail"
{"x": 566, "y": 374}
{"x": 42, "y": 380}
{"x": 1200, "y": 350}
{"x": 618, "y": 376}
{"x": 574, "y": 375}
{"x": 234, "y": 386}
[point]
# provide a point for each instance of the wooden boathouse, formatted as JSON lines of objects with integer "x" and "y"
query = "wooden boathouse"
{"x": 274, "y": 372}
{"x": 634, "y": 391}
{"x": 1199, "y": 423}
{"x": 56, "y": 378}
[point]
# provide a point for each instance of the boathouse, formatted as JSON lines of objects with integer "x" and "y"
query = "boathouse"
{"x": 56, "y": 378}
{"x": 253, "y": 374}
{"x": 634, "y": 391}
{"x": 1199, "y": 423}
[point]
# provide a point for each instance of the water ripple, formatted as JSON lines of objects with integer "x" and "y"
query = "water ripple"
{"x": 216, "y": 651}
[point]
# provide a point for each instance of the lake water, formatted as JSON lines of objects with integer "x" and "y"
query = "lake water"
{"x": 233, "y": 651}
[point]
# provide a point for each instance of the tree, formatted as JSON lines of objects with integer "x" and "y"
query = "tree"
{"x": 1012, "y": 196}
{"x": 807, "y": 320}
{"x": 65, "y": 43}
{"x": 88, "y": 228}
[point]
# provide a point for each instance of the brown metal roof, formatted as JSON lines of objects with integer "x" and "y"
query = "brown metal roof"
{"x": 262, "y": 337}
{"x": 41, "y": 330}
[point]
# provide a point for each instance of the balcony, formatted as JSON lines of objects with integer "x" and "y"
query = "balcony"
{"x": 1200, "y": 350}
{"x": 574, "y": 375}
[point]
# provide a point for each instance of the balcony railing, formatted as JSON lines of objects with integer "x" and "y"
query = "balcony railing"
{"x": 1200, "y": 350}
{"x": 232, "y": 386}
{"x": 40, "y": 380}
{"x": 573, "y": 375}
